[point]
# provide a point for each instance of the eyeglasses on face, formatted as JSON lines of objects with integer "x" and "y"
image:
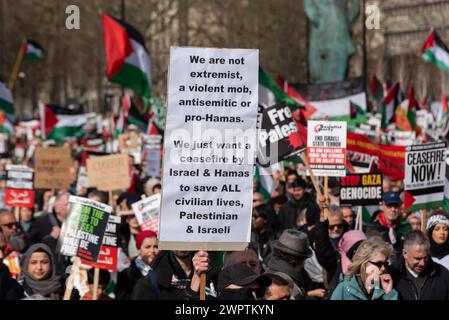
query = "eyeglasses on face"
{"x": 379, "y": 264}
{"x": 333, "y": 226}
{"x": 10, "y": 225}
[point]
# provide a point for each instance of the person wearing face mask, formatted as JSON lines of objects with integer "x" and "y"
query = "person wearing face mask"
{"x": 39, "y": 275}
{"x": 239, "y": 282}
{"x": 140, "y": 267}
{"x": 367, "y": 277}
{"x": 438, "y": 231}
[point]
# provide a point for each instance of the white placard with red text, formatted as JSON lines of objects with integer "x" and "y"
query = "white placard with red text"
{"x": 326, "y": 148}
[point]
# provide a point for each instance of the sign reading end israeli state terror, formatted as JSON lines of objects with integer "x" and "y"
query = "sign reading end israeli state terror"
{"x": 83, "y": 230}
{"x": 425, "y": 170}
{"x": 209, "y": 149}
{"x": 361, "y": 189}
{"x": 326, "y": 148}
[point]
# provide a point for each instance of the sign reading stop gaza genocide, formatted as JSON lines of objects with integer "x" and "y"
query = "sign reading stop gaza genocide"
{"x": 83, "y": 230}
{"x": 52, "y": 168}
{"x": 361, "y": 189}
{"x": 209, "y": 149}
{"x": 326, "y": 148}
{"x": 279, "y": 137}
{"x": 425, "y": 174}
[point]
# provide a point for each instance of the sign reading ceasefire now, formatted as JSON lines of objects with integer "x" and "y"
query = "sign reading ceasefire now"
{"x": 361, "y": 189}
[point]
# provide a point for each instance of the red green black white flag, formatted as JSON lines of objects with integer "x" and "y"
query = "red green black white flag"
{"x": 435, "y": 51}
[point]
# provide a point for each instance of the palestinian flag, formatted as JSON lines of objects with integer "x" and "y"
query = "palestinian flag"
{"x": 267, "y": 184}
{"x": 32, "y": 51}
{"x": 270, "y": 93}
{"x": 58, "y": 122}
{"x": 376, "y": 88}
{"x": 307, "y": 110}
{"x": 153, "y": 130}
{"x": 127, "y": 59}
{"x": 391, "y": 101}
{"x": 6, "y": 125}
{"x": 443, "y": 113}
{"x": 121, "y": 122}
{"x": 435, "y": 51}
{"x": 136, "y": 118}
{"x": 412, "y": 106}
{"x": 6, "y": 101}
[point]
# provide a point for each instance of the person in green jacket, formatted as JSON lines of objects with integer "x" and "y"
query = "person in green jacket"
{"x": 367, "y": 277}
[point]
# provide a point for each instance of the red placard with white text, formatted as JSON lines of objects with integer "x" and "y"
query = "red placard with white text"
{"x": 108, "y": 257}
{"x": 19, "y": 198}
{"x": 326, "y": 148}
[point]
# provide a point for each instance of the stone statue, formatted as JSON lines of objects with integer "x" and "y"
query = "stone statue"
{"x": 331, "y": 43}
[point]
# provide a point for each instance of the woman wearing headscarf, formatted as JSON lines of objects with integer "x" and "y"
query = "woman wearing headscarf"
{"x": 38, "y": 275}
{"x": 438, "y": 232}
{"x": 367, "y": 277}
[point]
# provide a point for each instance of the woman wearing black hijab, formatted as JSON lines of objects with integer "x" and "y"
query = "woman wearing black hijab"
{"x": 38, "y": 275}
{"x": 438, "y": 232}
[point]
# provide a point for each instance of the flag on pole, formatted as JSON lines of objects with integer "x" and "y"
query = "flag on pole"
{"x": 6, "y": 125}
{"x": 376, "y": 88}
{"x": 121, "y": 123}
{"x": 412, "y": 107}
{"x": 127, "y": 59}
{"x": 6, "y": 100}
{"x": 435, "y": 51}
{"x": 32, "y": 51}
{"x": 58, "y": 122}
{"x": 443, "y": 112}
{"x": 266, "y": 181}
{"x": 390, "y": 103}
{"x": 270, "y": 93}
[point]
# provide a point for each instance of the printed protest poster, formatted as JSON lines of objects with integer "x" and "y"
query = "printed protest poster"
{"x": 278, "y": 135}
{"x": 82, "y": 181}
{"x": 425, "y": 172}
{"x": 52, "y": 168}
{"x": 19, "y": 186}
{"x": 108, "y": 256}
{"x": 153, "y": 155}
{"x": 83, "y": 230}
{"x": 326, "y": 148}
{"x": 109, "y": 173}
{"x": 209, "y": 149}
{"x": 361, "y": 189}
{"x": 147, "y": 212}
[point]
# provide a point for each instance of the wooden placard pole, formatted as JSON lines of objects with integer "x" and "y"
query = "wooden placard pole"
{"x": 423, "y": 220}
{"x": 96, "y": 280}
{"x": 203, "y": 286}
{"x": 360, "y": 218}
{"x": 70, "y": 280}
{"x": 111, "y": 200}
{"x": 315, "y": 184}
{"x": 17, "y": 213}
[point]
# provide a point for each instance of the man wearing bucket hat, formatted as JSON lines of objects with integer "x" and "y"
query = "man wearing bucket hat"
{"x": 289, "y": 255}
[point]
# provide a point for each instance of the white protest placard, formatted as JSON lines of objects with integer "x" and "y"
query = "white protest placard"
{"x": 209, "y": 149}
{"x": 425, "y": 173}
{"x": 326, "y": 148}
{"x": 147, "y": 212}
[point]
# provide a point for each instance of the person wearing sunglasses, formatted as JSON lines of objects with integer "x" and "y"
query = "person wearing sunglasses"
{"x": 367, "y": 277}
{"x": 15, "y": 238}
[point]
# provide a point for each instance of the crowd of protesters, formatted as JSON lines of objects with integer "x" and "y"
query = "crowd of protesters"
{"x": 296, "y": 251}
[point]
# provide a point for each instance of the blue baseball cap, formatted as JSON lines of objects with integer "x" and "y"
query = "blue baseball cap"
{"x": 392, "y": 197}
